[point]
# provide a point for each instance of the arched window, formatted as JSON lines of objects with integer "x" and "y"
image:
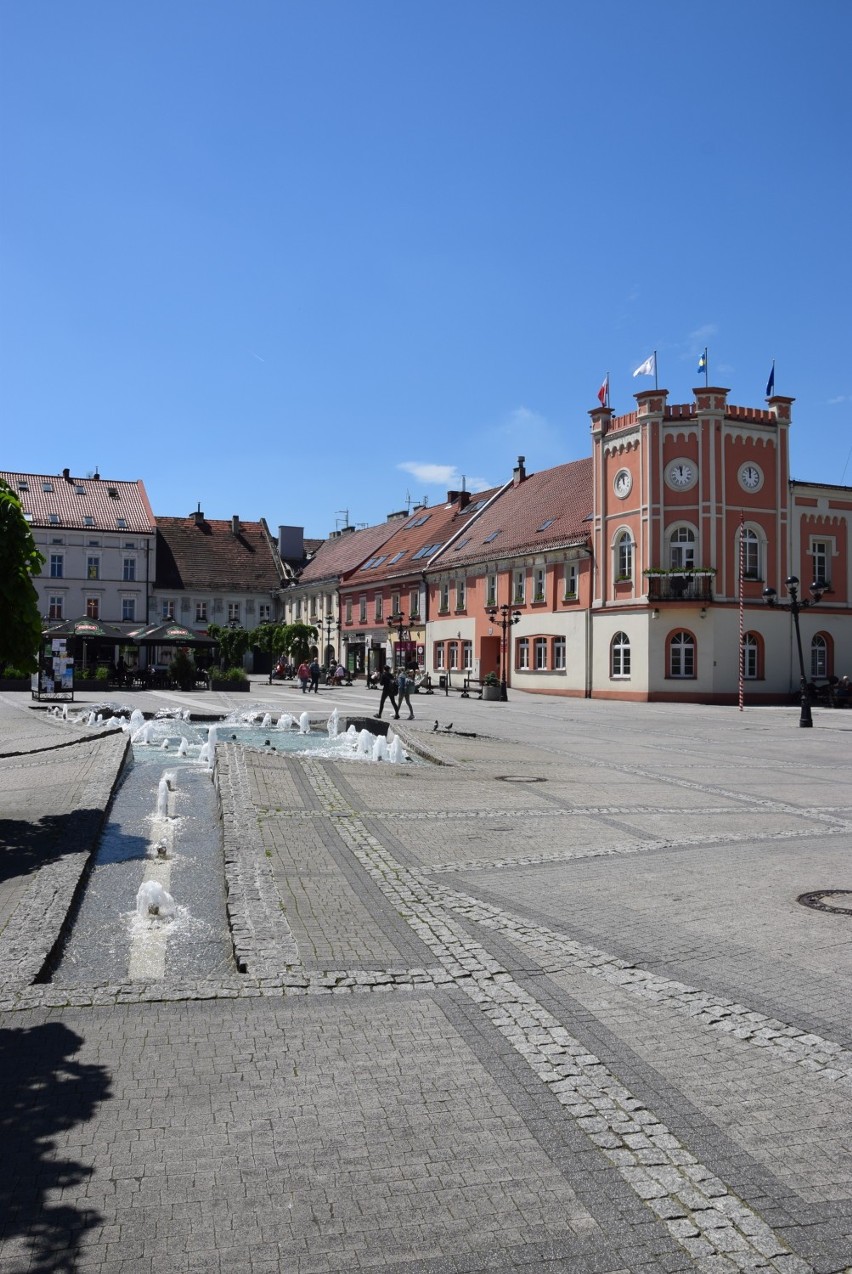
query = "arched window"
{"x": 752, "y": 657}
{"x": 624, "y": 556}
{"x": 682, "y": 655}
{"x": 682, "y": 549}
{"x": 821, "y": 655}
{"x": 751, "y": 554}
{"x": 619, "y": 655}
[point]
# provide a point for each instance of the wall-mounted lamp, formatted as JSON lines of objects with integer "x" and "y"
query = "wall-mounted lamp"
{"x": 655, "y": 614}
{"x": 702, "y": 614}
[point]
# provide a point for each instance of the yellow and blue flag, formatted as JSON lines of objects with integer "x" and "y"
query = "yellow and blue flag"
{"x": 702, "y": 362}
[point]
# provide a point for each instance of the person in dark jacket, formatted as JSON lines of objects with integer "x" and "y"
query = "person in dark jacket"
{"x": 315, "y": 676}
{"x": 388, "y": 685}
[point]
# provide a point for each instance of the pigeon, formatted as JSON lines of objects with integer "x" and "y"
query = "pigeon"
{"x": 448, "y": 728}
{"x": 434, "y": 727}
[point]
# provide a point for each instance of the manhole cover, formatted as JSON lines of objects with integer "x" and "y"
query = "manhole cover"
{"x": 519, "y": 778}
{"x": 837, "y": 900}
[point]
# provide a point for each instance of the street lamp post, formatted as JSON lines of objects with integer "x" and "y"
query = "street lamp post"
{"x": 504, "y": 617}
{"x": 328, "y": 624}
{"x": 396, "y": 624}
{"x": 794, "y": 606}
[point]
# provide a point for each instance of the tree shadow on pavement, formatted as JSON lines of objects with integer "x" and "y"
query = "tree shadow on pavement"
{"x": 25, "y": 846}
{"x": 46, "y": 1093}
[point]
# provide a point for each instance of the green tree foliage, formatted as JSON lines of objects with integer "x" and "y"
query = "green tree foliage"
{"x": 233, "y": 644}
{"x": 269, "y": 638}
{"x": 20, "y": 631}
{"x": 297, "y": 639}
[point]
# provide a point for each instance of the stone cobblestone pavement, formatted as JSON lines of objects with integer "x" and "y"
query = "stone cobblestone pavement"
{"x": 549, "y": 1005}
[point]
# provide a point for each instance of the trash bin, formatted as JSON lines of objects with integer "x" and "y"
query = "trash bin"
{"x": 442, "y": 683}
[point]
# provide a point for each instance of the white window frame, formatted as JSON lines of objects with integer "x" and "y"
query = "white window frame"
{"x": 683, "y": 542}
{"x": 93, "y": 566}
{"x": 540, "y": 654}
{"x": 819, "y": 656}
{"x": 167, "y": 608}
{"x": 519, "y": 587}
{"x": 379, "y": 607}
{"x": 444, "y": 599}
{"x": 362, "y": 609}
{"x": 128, "y": 609}
{"x": 751, "y": 657}
{"x": 128, "y": 570}
{"x": 467, "y": 655}
{"x": 624, "y": 549}
{"x": 201, "y": 612}
{"x": 461, "y": 594}
{"x": 559, "y": 654}
{"x": 820, "y": 550}
{"x": 619, "y": 657}
{"x": 491, "y": 590}
{"x": 683, "y": 656}
{"x": 234, "y": 612}
{"x": 539, "y": 582}
{"x": 93, "y": 608}
{"x": 57, "y": 566}
{"x": 523, "y": 654}
{"x": 751, "y": 543}
{"x": 570, "y": 581}
{"x": 55, "y": 606}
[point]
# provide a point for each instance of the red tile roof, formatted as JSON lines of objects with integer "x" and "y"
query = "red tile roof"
{"x": 52, "y": 500}
{"x": 407, "y": 552}
{"x": 546, "y": 510}
{"x": 344, "y": 552}
{"x": 206, "y": 554}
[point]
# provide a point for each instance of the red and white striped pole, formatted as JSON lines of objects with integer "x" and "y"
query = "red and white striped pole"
{"x": 741, "y": 609}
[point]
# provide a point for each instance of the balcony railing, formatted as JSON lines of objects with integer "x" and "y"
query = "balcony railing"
{"x": 682, "y": 586}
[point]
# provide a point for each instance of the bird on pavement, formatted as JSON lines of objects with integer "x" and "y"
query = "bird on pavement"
{"x": 448, "y": 728}
{"x": 434, "y": 727}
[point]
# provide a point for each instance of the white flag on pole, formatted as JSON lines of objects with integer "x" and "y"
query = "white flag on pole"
{"x": 648, "y": 368}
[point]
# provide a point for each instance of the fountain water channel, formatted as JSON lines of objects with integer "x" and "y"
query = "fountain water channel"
{"x": 154, "y": 902}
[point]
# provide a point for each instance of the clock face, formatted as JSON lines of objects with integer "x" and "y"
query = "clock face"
{"x": 681, "y": 474}
{"x": 623, "y": 482}
{"x": 750, "y": 477}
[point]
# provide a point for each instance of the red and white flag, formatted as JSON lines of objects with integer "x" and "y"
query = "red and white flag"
{"x": 603, "y": 392}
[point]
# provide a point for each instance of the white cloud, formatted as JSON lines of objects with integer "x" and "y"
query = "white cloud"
{"x": 443, "y": 475}
{"x": 841, "y": 398}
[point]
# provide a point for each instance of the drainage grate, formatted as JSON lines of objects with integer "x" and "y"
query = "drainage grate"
{"x": 519, "y": 778}
{"x": 817, "y": 900}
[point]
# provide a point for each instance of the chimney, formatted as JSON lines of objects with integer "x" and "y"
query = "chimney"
{"x": 235, "y": 524}
{"x": 291, "y": 543}
{"x": 197, "y": 516}
{"x": 66, "y": 473}
{"x": 519, "y": 473}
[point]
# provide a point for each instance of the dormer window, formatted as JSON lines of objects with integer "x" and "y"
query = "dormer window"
{"x": 23, "y": 486}
{"x": 47, "y": 487}
{"x": 121, "y": 524}
{"x": 53, "y": 519}
{"x": 87, "y": 521}
{"x": 80, "y": 490}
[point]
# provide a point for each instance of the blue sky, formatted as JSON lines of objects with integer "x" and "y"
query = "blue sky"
{"x": 290, "y": 259}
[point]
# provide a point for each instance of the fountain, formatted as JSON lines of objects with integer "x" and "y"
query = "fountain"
{"x": 332, "y": 725}
{"x": 304, "y": 723}
{"x": 380, "y": 748}
{"x": 153, "y": 900}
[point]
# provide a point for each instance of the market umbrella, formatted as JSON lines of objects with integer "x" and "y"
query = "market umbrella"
{"x": 169, "y": 634}
{"x": 83, "y": 627}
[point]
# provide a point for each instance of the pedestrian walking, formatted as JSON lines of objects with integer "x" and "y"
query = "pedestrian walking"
{"x": 304, "y": 675}
{"x": 315, "y": 670}
{"x": 388, "y": 685}
{"x": 404, "y": 686}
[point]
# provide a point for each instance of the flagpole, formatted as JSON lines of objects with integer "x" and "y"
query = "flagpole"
{"x": 656, "y": 386}
{"x": 706, "y": 369}
{"x": 606, "y": 404}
